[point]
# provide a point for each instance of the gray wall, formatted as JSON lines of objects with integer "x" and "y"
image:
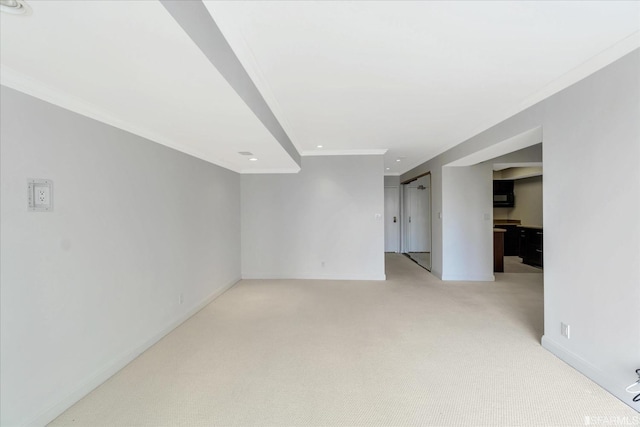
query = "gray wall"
{"x": 591, "y": 218}
{"x": 392, "y": 181}
{"x": 291, "y": 224}
{"x": 87, "y": 287}
{"x": 468, "y": 243}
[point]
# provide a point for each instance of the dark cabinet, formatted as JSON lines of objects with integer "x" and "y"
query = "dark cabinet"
{"x": 498, "y": 250}
{"x": 531, "y": 246}
{"x": 511, "y": 240}
{"x": 503, "y": 194}
{"x": 522, "y": 245}
{"x": 504, "y": 186}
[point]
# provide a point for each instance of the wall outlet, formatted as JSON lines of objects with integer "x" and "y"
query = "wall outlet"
{"x": 322, "y": 264}
{"x": 181, "y": 299}
{"x": 40, "y": 195}
{"x": 565, "y": 330}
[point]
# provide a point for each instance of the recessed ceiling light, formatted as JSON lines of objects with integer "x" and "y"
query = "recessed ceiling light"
{"x": 319, "y": 146}
{"x": 245, "y": 153}
{"x": 253, "y": 159}
{"x": 388, "y": 168}
{"x": 15, "y": 7}
{"x": 398, "y": 160}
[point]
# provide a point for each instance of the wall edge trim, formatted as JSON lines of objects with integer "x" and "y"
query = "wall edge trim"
{"x": 309, "y": 276}
{"x": 472, "y": 278}
{"x": 102, "y": 374}
{"x": 589, "y": 370}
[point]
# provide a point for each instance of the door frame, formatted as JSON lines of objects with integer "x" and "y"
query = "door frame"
{"x": 402, "y": 212}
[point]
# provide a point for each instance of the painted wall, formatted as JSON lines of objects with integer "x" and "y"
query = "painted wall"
{"x": 528, "y": 193}
{"x": 591, "y": 271}
{"x": 392, "y": 219}
{"x": 592, "y": 274}
{"x": 319, "y": 223}
{"x": 392, "y": 181}
{"x": 393, "y": 240}
{"x": 89, "y": 286}
{"x": 468, "y": 242}
{"x": 518, "y": 172}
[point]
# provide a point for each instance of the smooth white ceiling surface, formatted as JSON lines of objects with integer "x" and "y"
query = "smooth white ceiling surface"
{"x": 129, "y": 64}
{"x": 354, "y": 76}
{"x": 416, "y": 77}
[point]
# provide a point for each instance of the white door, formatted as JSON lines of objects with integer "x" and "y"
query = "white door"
{"x": 417, "y": 219}
{"x": 391, "y": 219}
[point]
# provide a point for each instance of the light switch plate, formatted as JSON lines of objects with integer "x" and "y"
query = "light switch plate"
{"x": 40, "y": 195}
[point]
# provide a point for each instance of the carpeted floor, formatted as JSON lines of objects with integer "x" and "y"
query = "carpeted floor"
{"x": 422, "y": 258}
{"x": 408, "y": 351}
{"x": 513, "y": 264}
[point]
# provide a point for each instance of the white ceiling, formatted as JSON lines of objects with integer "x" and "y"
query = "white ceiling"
{"x": 412, "y": 77}
{"x": 129, "y": 64}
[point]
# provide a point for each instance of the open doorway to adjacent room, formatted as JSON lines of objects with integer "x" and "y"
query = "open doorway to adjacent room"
{"x": 474, "y": 220}
{"x": 517, "y": 217}
{"x": 416, "y": 220}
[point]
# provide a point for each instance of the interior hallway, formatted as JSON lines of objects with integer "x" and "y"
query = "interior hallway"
{"x": 411, "y": 350}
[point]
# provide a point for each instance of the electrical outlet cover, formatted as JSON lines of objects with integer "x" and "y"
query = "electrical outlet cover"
{"x": 40, "y": 195}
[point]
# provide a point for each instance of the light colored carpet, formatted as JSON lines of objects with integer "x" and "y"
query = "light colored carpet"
{"x": 422, "y": 258}
{"x": 513, "y": 264}
{"x": 409, "y": 351}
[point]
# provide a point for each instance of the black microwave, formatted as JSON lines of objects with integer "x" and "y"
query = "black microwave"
{"x": 506, "y": 200}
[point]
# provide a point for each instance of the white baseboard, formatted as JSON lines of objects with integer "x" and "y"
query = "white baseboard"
{"x": 471, "y": 278}
{"x": 436, "y": 273}
{"x": 101, "y": 375}
{"x": 592, "y": 372}
{"x": 306, "y": 276}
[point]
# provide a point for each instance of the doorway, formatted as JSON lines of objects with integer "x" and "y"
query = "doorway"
{"x": 520, "y": 221}
{"x": 416, "y": 220}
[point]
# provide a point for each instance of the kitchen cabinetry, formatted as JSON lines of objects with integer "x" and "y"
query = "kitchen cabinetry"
{"x": 504, "y": 186}
{"x": 511, "y": 235}
{"x": 511, "y": 239}
{"x": 503, "y": 194}
{"x": 498, "y": 250}
{"x": 530, "y": 251}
